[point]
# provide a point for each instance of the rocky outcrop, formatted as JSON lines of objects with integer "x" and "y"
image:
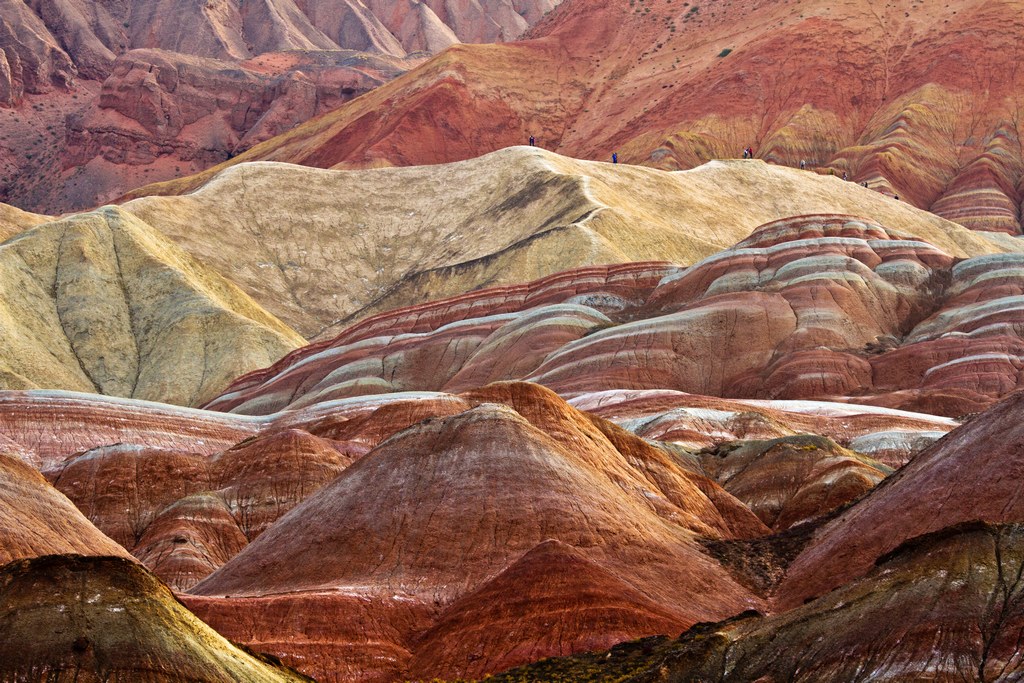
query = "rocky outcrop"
{"x": 101, "y": 302}
{"x": 170, "y": 113}
{"x": 33, "y": 60}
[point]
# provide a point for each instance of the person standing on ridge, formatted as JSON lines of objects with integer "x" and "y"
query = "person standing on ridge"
{"x": 615, "y": 157}
{"x": 533, "y": 141}
{"x": 803, "y": 164}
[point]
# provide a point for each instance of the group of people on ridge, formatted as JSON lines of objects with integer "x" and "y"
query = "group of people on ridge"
{"x": 748, "y": 153}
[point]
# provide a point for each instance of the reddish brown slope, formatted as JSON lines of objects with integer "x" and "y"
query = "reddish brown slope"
{"x": 947, "y": 606}
{"x": 37, "y": 520}
{"x": 104, "y": 97}
{"x": 975, "y": 473}
{"x": 532, "y": 471}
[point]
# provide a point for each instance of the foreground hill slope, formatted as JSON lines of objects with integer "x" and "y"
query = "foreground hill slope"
{"x": 924, "y": 104}
{"x": 75, "y": 606}
{"x": 887, "y": 625}
{"x": 101, "y": 302}
{"x": 69, "y": 617}
{"x": 582, "y": 535}
{"x": 921, "y": 578}
{"x": 38, "y": 520}
{"x": 322, "y": 247}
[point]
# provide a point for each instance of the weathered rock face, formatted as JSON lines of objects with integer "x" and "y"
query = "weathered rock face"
{"x": 161, "y": 114}
{"x": 33, "y": 59}
{"x": 910, "y": 103}
{"x": 174, "y": 102}
{"x": 371, "y": 241}
{"x": 190, "y": 539}
{"x": 13, "y": 221}
{"x": 106, "y": 618}
{"x": 122, "y": 488}
{"x": 101, "y": 302}
{"x": 813, "y": 307}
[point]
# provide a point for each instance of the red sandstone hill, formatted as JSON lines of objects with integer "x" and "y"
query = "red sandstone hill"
{"x": 37, "y": 520}
{"x": 455, "y": 509}
{"x": 973, "y": 474}
{"x": 921, "y": 578}
{"x": 891, "y": 624}
{"x": 921, "y": 102}
{"x": 502, "y": 505}
{"x": 103, "y": 97}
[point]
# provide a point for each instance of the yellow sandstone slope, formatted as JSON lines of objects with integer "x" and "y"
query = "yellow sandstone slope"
{"x": 321, "y": 247}
{"x": 101, "y": 302}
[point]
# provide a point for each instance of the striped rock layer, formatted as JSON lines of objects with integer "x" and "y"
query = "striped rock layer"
{"x": 407, "y": 535}
{"x": 857, "y": 595}
{"x": 825, "y": 307}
